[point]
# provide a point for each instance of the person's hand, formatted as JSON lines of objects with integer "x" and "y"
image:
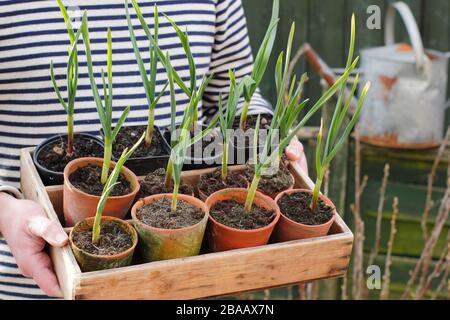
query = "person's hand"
{"x": 294, "y": 152}
{"x": 26, "y": 229}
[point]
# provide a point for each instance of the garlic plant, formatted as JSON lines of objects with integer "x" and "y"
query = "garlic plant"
{"x": 107, "y": 189}
{"x": 71, "y": 79}
{"x": 104, "y": 108}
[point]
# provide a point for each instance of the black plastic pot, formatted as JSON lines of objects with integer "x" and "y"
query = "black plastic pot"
{"x": 193, "y": 163}
{"x": 243, "y": 151}
{"x": 141, "y": 166}
{"x": 49, "y": 177}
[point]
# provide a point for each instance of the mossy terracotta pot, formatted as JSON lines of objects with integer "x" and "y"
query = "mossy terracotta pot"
{"x": 162, "y": 244}
{"x": 91, "y": 262}
{"x": 287, "y": 229}
{"x": 222, "y": 237}
{"x": 79, "y": 205}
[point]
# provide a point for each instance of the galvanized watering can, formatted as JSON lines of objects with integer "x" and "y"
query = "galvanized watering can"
{"x": 405, "y": 107}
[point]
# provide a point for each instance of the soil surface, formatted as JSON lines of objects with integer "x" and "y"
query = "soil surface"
{"x": 153, "y": 183}
{"x": 128, "y": 136}
{"x": 204, "y": 143}
{"x": 270, "y": 184}
{"x": 266, "y": 120}
{"x": 53, "y": 156}
{"x": 113, "y": 240}
{"x": 159, "y": 214}
{"x": 87, "y": 179}
{"x": 212, "y": 182}
{"x": 297, "y": 206}
{"x": 232, "y": 214}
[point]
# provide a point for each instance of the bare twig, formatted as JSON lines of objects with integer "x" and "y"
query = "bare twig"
{"x": 429, "y": 201}
{"x": 384, "y": 294}
{"x": 358, "y": 259}
{"x": 442, "y": 283}
{"x": 302, "y": 291}
{"x": 377, "y": 242}
{"x": 426, "y": 255}
{"x": 344, "y": 295}
{"x": 439, "y": 267}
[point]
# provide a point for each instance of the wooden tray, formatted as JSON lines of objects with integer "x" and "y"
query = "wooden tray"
{"x": 205, "y": 275}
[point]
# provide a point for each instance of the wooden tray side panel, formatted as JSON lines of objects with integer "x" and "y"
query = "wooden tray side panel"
{"x": 222, "y": 273}
{"x": 64, "y": 263}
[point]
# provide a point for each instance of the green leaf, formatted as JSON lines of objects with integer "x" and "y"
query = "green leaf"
{"x": 183, "y": 36}
{"x": 120, "y": 122}
{"x": 149, "y": 91}
{"x": 66, "y": 17}
{"x": 161, "y": 55}
{"x": 55, "y": 86}
{"x": 98, "y": 101}
{"x": 319, "y": 149}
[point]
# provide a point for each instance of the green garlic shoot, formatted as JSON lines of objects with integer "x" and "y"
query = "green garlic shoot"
{"x": 109, "y": 185}
{"x": 104, "y": 108}
{"x": 149, "y": 82}
{"x": 260, "y": 64}
{"x": 71, "y": 78}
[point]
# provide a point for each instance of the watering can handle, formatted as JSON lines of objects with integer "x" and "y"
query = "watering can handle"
{"x": 411, "y": 27}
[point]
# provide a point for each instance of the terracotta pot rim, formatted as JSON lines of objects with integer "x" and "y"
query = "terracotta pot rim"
{"x": 321, "y": 196}
{"x": 133, "y": 233}
{"x": 258, "y": 194}
{"x": 128, "y": 174}
{"x": 141, "y": 202}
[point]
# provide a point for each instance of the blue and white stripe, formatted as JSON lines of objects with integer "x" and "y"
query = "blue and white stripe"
{"x": 32, "y": 33}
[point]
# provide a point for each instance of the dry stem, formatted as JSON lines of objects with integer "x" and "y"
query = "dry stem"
{"x": 429, "y": 201}
{"x": 358, "y": 259}
{"x": 384, "y": 294}
{"x": 380, "y": 208}
{"x": 426, "y": 255}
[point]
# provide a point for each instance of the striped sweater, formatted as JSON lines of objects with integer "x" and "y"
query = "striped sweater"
{"x": 32, "y": 33}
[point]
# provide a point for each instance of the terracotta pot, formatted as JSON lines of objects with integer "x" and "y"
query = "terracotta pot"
{"x": 275, "y": 194}
{"x": 91, "y": 262}
{"x": 288, "y": 229}
{"x": 222, "y": 237}
{"x": 79, "y": 205}
{"x": 162, "y": 244}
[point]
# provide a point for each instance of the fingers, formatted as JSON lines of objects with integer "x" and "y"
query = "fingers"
{"x": 304, "y": 163}
{"x": 40, "y": 269}
{"x": 294, "y": 150}
{"x": 49, "y": 231}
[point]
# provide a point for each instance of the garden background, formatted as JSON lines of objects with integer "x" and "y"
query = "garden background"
{"x": 325, "y": 24}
